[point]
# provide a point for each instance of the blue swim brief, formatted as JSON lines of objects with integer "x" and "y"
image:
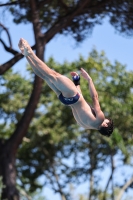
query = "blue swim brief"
{"x": 69, "y": 100}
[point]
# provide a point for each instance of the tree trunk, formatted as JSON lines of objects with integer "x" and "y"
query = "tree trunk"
{"x": 8, "y": 174}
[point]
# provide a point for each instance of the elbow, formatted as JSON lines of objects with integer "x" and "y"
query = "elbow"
{"x": 95, "y": 97}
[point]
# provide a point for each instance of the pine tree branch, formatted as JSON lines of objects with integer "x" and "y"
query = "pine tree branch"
{"x": 110, "y": 178}
{"x": 8, "y": 49}
{"x": 18, "y": 56}
{"x": 35, "y": 20}
{"x": 4, "y": 67}
{"x": 42, "y": 3}
{"x": 8, "y": 35}
{"x": 12, "y": 3}
{"x": 59, "y": 186}
{"x": 83, "y": 6}
{"x": 23, "y": 124}
{"x": 127, "y": 184}
{"x": 65, "y": 21}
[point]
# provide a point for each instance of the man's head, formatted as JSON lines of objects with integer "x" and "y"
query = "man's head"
{"x": 106, "y": 128}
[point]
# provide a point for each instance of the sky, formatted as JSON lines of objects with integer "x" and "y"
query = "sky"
{"x": 62, "y": 48}
{"x": 104, "y": 38}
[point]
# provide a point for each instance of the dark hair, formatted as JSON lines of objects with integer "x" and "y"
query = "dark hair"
{"x": 107, "y": 131}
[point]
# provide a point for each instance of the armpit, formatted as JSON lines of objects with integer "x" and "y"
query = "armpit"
{"x": 93, "y": 111}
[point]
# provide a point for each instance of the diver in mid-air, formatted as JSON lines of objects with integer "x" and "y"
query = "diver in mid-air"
{"x": 69, "y": 92}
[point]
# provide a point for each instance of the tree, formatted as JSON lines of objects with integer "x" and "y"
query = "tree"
{"x": 52, "y": 138}
{"x": 48, "y": 19}
{"x": 116, "y": 83}
{"x": 112, "y": 83}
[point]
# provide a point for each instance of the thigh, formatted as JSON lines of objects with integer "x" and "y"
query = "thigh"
{"x": 65, "y": 85}
{"x": 52, "y": 86}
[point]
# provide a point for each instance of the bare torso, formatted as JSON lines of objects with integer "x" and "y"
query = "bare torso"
{"x": 84, "y": 116}
{"x": 61, "y": 84}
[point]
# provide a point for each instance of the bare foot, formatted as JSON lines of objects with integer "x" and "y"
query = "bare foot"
{"x": 24, "y": 47}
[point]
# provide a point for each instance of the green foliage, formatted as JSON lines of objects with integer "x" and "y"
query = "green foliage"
{"x": 51, "y": 13}
{"x": 14, "y": 95}
{"x": 80, "y": 23}
{"x": 35, "y": 195}
{"x": 53, "y": 137}
{"x": 75, "y": 195}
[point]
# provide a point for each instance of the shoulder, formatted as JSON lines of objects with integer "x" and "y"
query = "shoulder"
{"x": 98, "y": 114}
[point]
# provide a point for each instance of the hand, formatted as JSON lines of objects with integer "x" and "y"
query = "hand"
{"x": 73, "y": 73}
{"x": 24, "y": 47}
{"x": 85, "y": 74}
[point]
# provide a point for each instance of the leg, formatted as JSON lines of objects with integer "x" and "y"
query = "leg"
{"x": 64, "y": 85}
{"x": 50, "y": 84}
{"x": 36, "y": 71}
{"x": 57, "y": 82}
{"x": 60, "y": 83}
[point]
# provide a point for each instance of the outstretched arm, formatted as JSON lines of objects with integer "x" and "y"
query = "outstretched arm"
{"x": 93, "y": 93}
{"x": 92, "y": 89}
